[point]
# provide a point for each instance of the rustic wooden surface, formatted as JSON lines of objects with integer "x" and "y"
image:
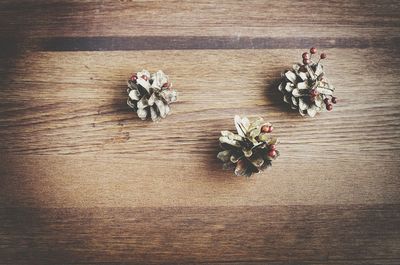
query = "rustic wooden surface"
{"x": 84, "y": 181}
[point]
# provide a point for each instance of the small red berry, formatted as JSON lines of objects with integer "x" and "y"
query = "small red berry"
{"x": 314, "y": 93}
{"x": 334, "y": 100}
{"x": 145, "y": 77}
{"x": 306, "y": 61}
{"x": 133, "y": 77}
{"x": 272, "y": 153}
{"x": 313, "y": 50}
{"x": 323, "y": 56}
{"x": 272, "y": 147}
{"x": 266, "y": 129}
{"x": 326, "y": 100}
{"x": 329, "y": 107}
{"x": 306, "y": 56}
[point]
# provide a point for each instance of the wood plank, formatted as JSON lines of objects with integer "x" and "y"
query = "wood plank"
{"x": 75, "y": 103}
{"x": 353, "y": 234}
{"x": 331, "y": 19}
{"x": 188, "y": 180}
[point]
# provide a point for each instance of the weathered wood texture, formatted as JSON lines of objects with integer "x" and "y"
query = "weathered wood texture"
{"x": 315, "y": 18}
{"x": 83, "y": 180}
{"x": 276, "y": 234}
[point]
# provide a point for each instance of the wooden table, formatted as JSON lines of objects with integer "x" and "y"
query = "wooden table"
{"x": 85, "y": 181}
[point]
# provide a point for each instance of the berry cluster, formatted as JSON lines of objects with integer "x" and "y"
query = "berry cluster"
{"x": 272, "y": 148}
{"x": 308, "y": 56}
{"x": 307, "y": 60}
{"x": 305, "y": 86}
{"x": 146, "y": 78}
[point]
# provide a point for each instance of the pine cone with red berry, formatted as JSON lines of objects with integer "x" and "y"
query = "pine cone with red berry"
{"x": 306, "y": 88}
{"x": 150, "y": 95}
{"x": 249, "y": 151}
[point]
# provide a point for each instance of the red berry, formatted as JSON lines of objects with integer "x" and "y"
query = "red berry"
{"x": 313, "y": 50}
{"x": 306, "y": 56}
{"x": 306, "y": 61}
{"x": 145, "y": 77}
{"x": 334, "y": 100}
{"x": 133, "y": 77}
{"x": 272, "y": 147}
{"x": 329, "y": 107}
{"x": 326, "y": 100}
{"x": 266, "y": 129}
{"x": 323, "y": 55}
{"x": 314, "y": 93}
{"x": 272, "y": 153}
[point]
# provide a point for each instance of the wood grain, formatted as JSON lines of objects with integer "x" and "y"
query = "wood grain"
{"x": 78, "y": 109}
{"x": 109, "y": 181}
{"x": 235, "y": 235}
{"x": 311, "y": 18}
{"x": 143, "y": 43}
{"x": 84, "y": 181}
{"x": 211, "y": 94}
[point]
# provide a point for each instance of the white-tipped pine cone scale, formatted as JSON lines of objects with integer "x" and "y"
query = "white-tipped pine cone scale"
{"x": 306, "y": 88}
{"x": 249, "y": 151}
{"x": 150, "y": 95}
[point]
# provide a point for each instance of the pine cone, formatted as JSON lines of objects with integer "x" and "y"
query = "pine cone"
{"x": 251, "y": 150}
{"x": 150, "y": 96}
{"x": 306, "y": 88}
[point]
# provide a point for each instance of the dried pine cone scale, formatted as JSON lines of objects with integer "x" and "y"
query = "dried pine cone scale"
{"x": 306, "y": 88}
{"x": 150, "y": 95}
{"x": 249, "y": 151}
